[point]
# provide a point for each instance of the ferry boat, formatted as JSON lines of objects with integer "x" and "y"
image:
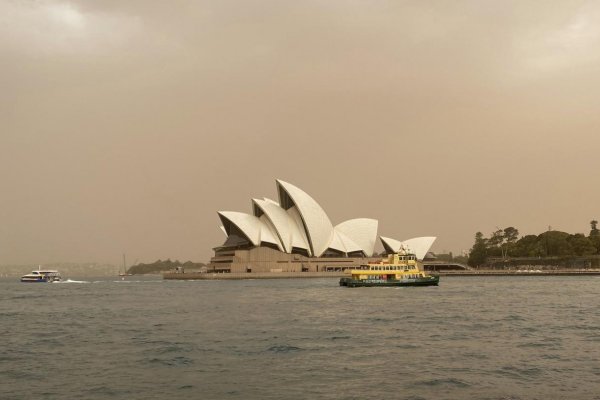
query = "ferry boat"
{"x": 42, "y": 275}
{"x": 399, "y": 269}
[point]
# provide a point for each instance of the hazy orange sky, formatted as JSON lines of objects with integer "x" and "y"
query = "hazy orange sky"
{"x": 125, "y": 126}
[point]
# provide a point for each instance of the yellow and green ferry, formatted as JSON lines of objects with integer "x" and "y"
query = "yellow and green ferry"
{"x": 399, "y": 269}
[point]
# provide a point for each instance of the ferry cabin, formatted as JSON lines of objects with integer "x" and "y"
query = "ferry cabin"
{"x": 42, "y": 276}
{"x": 395, "y": 267}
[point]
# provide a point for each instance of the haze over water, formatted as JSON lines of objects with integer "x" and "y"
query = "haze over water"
{"x": 469, "y": 338}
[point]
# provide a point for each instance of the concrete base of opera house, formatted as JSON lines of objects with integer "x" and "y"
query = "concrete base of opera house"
{"x": 267, "y": 260}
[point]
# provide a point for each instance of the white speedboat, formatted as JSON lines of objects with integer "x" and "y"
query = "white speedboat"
{"x": 42, "y": 275}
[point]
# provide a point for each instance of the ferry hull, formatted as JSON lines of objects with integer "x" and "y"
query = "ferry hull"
{"x": 39, "y": 280}
{"x": 427, "y": 281}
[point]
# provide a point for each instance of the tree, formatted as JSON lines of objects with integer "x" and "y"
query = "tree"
{"x": 595, "y": 236}
{"x": 479, "y": 252}
{"x": 525, "y": 247}
{"x": 510, "y": 236}
{"x": 555, "y": 243}
{"x": 496, "y": 239}
{"x": 594, "y": 225}
{"x": 581, "y": 245}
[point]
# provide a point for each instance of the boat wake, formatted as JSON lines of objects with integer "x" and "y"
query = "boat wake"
{"x": 73, "y": 281}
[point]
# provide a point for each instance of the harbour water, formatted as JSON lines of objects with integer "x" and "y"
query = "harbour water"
{"x": 469, "y": 338}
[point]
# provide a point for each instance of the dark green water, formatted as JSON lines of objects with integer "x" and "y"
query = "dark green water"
{"x": 470, "y": 338}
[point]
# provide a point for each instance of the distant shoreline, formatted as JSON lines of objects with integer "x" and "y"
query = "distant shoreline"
{"x": 294, "y": 275}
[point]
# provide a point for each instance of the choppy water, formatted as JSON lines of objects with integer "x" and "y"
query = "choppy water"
{"x": 470, "y": 338}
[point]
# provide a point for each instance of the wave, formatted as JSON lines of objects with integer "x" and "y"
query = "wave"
{"x": 283, "y": 349}
{"x": 443, "y": 382}
{"x": 73, "y": 281}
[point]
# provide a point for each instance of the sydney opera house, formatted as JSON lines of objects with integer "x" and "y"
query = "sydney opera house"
{"x": 294, "y": 234}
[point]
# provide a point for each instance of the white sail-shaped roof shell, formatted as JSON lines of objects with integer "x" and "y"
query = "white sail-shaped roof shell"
{"x": 299, "y": 238}
{"x": 248, "y": 224}
{"x": 343, "y": 243}
{"x": 268, "y": 233}
{"x": 280, "y": 220}
{"x": 419, "y": 246}
{"x": 362, "y": 231}
{"x": 318, "y": 227}
{"x": 391, "y": 245}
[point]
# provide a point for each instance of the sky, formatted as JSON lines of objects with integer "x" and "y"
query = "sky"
{"x": 126, "y": 126}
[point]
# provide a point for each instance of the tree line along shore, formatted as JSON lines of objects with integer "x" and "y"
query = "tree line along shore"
{"x": 505, "y": 249}
{"x": 160, "y": 266}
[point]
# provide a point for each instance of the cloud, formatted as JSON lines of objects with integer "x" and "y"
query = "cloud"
{"x": 570, "y": 39}
{"x": 49, "y": 28}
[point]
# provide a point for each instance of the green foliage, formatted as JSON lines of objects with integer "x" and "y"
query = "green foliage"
{"x": 595, "y": 235}
{"x": 595, "y": 241}
{"x": 580, "y": 245}
{"x": 479, "y": 252}
{"x": 505, "y": 243}
{"x": 525, "y": 246}
{"x": 594, "y": 231}
{"x": 511, "y": 234}
{"x": 555, "y": 243}
{"x": 162, "y": 266}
